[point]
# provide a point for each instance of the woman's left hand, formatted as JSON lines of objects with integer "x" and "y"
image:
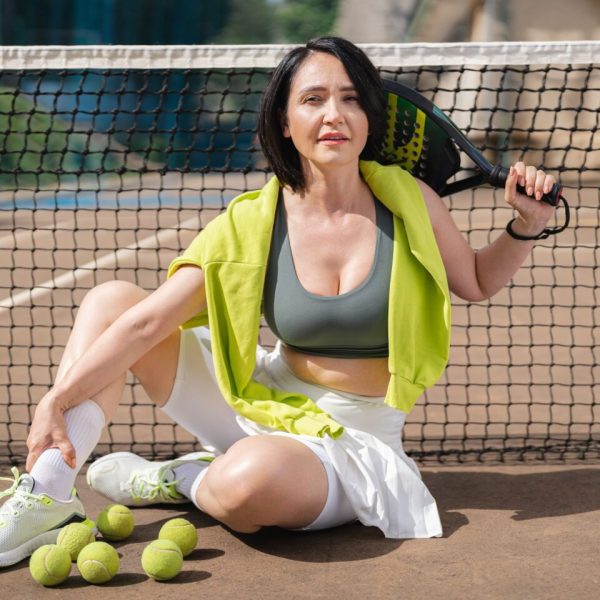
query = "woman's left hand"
{"x": 533, "y": 214}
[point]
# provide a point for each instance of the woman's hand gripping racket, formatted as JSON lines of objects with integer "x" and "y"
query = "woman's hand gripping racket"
{"x": 424, "y": 141}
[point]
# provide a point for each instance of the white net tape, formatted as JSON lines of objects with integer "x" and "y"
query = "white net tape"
{"x": 267, "y": 56}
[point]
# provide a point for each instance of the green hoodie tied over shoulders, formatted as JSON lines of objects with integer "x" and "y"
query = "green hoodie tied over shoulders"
{"x": 233, "y": 251}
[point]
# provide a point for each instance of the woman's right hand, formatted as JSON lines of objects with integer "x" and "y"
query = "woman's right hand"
{"x": 48, "y": 430}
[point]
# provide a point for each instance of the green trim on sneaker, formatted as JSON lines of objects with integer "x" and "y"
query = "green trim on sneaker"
{"x": 129, "y": 479}
{"x": 29, "y": 520}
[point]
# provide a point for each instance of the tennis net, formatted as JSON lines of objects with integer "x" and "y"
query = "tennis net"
{"x": 112, "y": 158}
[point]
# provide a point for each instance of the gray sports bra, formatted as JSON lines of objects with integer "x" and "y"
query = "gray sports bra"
{"x": 350, "y": 325}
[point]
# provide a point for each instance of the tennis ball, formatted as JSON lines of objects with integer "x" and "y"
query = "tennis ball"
{"x": 98, "y": 562}
{"x": 162, "y": 560}
{"x": 182, "y": 532}
{"x": 74, "y": 537}
{"x": 50, "y": 565}
{"x": 115, "y": 522}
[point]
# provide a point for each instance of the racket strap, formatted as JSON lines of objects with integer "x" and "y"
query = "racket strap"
{"x": 546, "y": 232}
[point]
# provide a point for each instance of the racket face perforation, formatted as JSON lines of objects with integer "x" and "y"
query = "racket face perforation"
{"x": 417, "y": 143}
{"x": 423, "y": 140}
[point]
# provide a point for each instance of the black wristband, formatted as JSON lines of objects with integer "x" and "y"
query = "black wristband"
{"x": 540, "y": 236}
{"x": 545, "y": 233}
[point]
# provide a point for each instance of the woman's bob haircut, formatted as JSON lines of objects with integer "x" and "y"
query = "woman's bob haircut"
{"x": 280, "y": 151}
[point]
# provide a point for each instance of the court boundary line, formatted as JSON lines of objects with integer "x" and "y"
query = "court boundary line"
{"x": 70, "y": 278}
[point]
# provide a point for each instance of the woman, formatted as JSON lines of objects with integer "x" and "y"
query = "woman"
{"x": 351, "y": 263}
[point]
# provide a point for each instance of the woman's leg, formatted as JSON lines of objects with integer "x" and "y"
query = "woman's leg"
{"x": 259, "y": 480}
{"x": 103, "y": 305}
{"x": 29, "y": 520}
{"x": 264, "y": 480}
{"x": 85, "y": 422}
{"x": 196, "y": 403}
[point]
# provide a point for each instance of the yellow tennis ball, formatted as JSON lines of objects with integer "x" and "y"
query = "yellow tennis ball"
{"x": 98, "y": 562}
{"x": 115, "y": 522}
{"x": 162, "y": 560}
{"x": 50, "y": 565}
{"x": 74, "y": 537}
{"x": 182, "y": 532}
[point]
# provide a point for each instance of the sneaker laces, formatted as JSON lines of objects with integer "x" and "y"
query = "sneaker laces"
{"x": 143, "y": 486}
{"x": 20, "y": 497}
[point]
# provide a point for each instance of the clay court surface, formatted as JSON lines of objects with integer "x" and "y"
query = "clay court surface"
{"x": 510, "y": 531}
{"x": 527, "y": 532}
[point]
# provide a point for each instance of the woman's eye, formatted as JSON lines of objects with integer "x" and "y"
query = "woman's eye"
{"x": 312, "y": 99}
{"x": 352, "y": 98}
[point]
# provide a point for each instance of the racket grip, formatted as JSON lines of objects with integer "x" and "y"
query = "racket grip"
{"x": 498, "y": 177}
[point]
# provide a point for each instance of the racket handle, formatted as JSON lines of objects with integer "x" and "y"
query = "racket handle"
{"x": 498, "y": 177}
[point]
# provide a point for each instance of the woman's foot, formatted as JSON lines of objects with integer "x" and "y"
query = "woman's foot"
{"x": 29, "y": 520}
{"x": 129, "y": 479}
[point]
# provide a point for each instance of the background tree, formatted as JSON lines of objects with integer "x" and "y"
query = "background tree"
{"x": 249, "y": 22}
{"x": 301, "y": 20}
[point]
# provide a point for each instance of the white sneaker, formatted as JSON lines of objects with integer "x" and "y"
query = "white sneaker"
{"x": 129, "y": 479}
{"x": 29, "y": 520}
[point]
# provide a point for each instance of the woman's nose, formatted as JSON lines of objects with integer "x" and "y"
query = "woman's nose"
{"x": 333, "y": 114}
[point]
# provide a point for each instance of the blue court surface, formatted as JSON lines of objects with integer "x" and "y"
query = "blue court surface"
{"x": 95, "y": 200}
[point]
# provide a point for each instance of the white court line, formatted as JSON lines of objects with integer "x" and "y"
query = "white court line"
{"x": 68, "y": 279}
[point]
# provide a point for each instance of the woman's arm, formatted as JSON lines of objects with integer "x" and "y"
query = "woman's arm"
{"x": 478, "y": 275}
{"x": 134, "y": 333}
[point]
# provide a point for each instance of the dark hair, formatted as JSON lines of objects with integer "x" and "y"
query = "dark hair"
{"x": 280, "y": 151}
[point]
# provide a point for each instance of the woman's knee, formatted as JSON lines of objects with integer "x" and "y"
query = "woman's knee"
{"x": 111, "y": 299}
{"x": 241, "y": 476}
{"x": 267, "y": 480}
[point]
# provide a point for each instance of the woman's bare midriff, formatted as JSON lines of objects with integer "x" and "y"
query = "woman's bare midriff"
{"x": 363, "y": 376}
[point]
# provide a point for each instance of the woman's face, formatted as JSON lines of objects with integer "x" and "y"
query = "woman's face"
{"x": 324, "y": 118}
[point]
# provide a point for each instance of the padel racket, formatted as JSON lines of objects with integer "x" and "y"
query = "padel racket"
{"x": 423, "y": 140}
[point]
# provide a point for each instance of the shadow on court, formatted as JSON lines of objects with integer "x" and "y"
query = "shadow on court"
{"x": 530, "y": 495}
{"x": 148, "y": 531}
{"x": 350, "y": 542}
{"x": 345, "y": 543}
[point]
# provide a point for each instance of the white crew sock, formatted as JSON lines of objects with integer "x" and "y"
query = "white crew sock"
{"x": 52, "y": 475}
{"x": 195, "y": 487}
{"x": 188, "y": 476}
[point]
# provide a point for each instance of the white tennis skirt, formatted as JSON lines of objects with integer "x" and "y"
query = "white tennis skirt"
{"x": 380, "y": 481}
